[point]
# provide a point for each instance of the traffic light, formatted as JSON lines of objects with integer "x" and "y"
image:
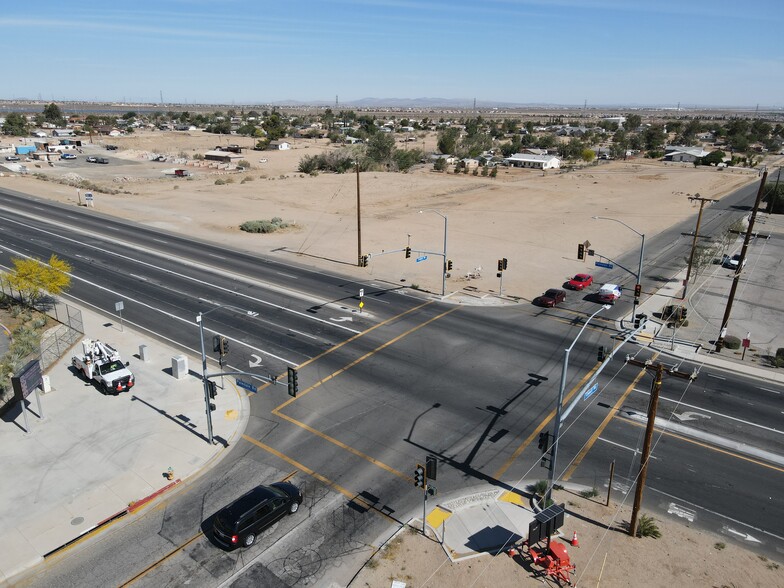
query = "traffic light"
{"x": 224, "y": 346}
{"x": 408, "y": 252}
{"x": 449, "y": 265}
{"x": 212, "y": 388}
{"x": 544, "y": 441}
{"x": 419, "y": 476}
{"x": 431, "y": 467}
{"x": 600, "y": 354}
{"x": 363, "y": 260}
{"x": 504, "y": 262}
{"x": 500, "y": 265}
{"x": 293, "y": 383}
{"x": 580, "y": 251}
{"x": 683, "y": 313}
{"x": 637, "y": 321}
{"x": 637, "y": 290}
{"x": 216, "y": 343}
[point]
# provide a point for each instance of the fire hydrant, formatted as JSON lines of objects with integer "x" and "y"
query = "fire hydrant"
{"x": 170, "y": 474}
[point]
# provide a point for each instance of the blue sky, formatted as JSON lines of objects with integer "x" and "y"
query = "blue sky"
{"x": 698, "y": 52}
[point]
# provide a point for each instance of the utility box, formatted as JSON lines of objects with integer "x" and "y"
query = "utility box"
{"x": 46, "y": 384}
{"x": 180, "y": 367}
{"x": 143, "y": 353}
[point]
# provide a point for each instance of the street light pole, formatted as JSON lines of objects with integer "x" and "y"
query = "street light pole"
{"x": 446, "y": 227}
{"x": 559, "y": 408}
{"x": 636, "y": 300}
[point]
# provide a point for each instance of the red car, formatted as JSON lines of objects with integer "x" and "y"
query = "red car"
{"x": 580, "y": 281}
{"x": 550, "y": 298}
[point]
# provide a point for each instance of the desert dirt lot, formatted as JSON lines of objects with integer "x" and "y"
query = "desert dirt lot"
{"x": 606, "y": 557}
{"x": 532, "y": 219}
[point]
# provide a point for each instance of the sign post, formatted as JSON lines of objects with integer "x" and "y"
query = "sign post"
{"x": 746, "y": 344}
{"x": 118, "y": 306}
{"x": 361, "y": 302}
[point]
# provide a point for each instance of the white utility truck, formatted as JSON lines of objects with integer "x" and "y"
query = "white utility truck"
{"x": 101, "y": 364}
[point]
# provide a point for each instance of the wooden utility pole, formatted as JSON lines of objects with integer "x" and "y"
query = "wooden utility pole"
{"x": 741, "y": 263}
{"x": 646, "y": 447}
{"x": 702, "y": 202}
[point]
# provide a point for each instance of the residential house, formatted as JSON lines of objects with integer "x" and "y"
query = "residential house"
{"x": 683, "y": 154}
{"x": 279, "y": 145}
{"x": 533, "y": 161}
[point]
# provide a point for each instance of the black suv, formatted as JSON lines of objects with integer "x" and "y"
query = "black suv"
{"x": 240, "y": 522}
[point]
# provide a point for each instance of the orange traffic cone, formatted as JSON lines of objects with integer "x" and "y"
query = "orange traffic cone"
{"x": 575, "y": 542}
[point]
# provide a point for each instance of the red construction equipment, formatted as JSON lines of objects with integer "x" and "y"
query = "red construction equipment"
{"x": 555, "y": 562}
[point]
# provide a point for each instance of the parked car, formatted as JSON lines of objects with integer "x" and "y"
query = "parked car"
{"x": 609, "y": 293}
{"x": 92, "y": 159}
{"x": 11, "y": 158}
{"x": 102, "y": 160}
{"x": 550, "y": 298}
{"x": 732, "y": 262}
{"x": 67, "y": 156}
{"x": 111, "y": 147}
{"x": 580, "y": 281}
{"x": 241, "y": 522}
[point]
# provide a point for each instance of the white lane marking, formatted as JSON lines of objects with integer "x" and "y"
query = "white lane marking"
{"x": 682, "y": 512}
{"x": 216, "y": 255}
{"x": 142, "y": 278}
{"x": 287, "y": 275}
{"x": 170, "y": 315}
{"x": 713, "y": 512}
{"x": 256, "y": 360}
{"x": 690, "y": 416}
{"x": 623, "y": 446}
{"x": 304, "y": 315}
{"x": 769, "y": 390}
{"x": 763, "y": 427}
{"x": 744, "y": 536}
{"x": 341, "y": 319}
{"x": 160, "y": 240}
{"x": 715, "y": 376}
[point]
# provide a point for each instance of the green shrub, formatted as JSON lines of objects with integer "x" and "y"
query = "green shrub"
{"x": 540, "y": 487}
{"x": 780, "y": 353}
{"x": 731, "y": 342}
{"x": 220, "y": 182}
{"x": 263, "y": 226}
{"x": 719, "y": 545}
{"x": 647, "y": 527}
{"x": 244, "y": 163}
{"x": 589, "y": 493}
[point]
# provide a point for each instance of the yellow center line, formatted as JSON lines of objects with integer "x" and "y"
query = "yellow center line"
{"x": 508, "y": 463}
{"x": 350, "y": 340}
{"x": 705, "y": 445}
{"x": 374, "y": 461}
{"x": 353, "y": 496}
{"x": 600, "y": 429}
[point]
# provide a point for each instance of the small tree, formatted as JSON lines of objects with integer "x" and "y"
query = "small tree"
{"x": 15, "y": 124}
{"x": 53, "y": 114}
{"x": 588, "y": 155}
{"x": 439, "y": 164}
{"x": 34, "y": 279}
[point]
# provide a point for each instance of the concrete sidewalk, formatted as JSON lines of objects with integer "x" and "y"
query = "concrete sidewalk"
{"x": 92, "y": 458}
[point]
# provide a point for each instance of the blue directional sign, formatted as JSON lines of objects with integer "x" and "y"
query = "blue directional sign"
{"x": 423, "y": 258}
{"x": 603, "y": 264}
{"x": 246, "y": 385}
{"x": 590, "y": 391}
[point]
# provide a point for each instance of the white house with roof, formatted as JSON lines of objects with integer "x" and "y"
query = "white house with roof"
{"x": 684, "y": 154}
{"x": 533, "y": 161}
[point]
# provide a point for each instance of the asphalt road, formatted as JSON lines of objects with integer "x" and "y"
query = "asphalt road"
{"x": 379, "y": 391}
